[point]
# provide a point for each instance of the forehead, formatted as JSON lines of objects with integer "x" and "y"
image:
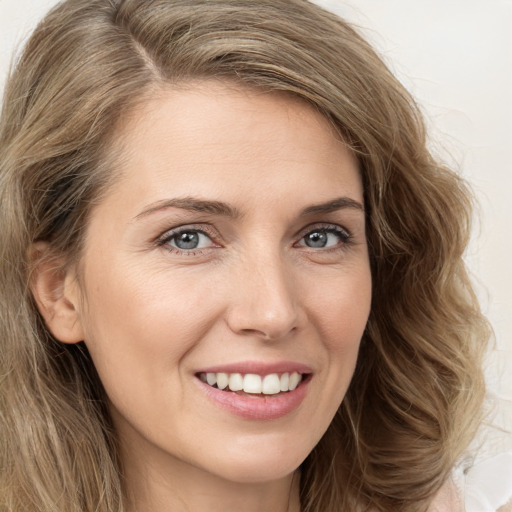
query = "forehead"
{"x": 214, "y": 137}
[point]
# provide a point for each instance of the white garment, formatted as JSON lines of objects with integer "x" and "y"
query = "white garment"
{"x": 484, "y": 478}
{"x": 486, "y": 484}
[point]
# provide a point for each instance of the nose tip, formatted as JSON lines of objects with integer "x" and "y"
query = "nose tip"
{"x": 265, "y": 305}
{"x": 269, "y": 329}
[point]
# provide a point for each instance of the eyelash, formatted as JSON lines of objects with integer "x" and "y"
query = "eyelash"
{"x": 165, "y": 239}
{"x": 346, "y": 239}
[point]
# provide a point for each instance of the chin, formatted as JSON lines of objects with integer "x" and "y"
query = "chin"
{"x": 263, "y": 463}
{"x": 257, "y": 473}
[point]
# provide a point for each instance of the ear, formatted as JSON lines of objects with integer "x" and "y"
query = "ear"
{"x": 56, "y": 292}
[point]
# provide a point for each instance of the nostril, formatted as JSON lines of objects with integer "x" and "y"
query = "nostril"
{"x": 263, "y": 326}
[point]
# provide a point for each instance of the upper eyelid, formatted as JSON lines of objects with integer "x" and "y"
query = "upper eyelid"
{"x": 326, "y": 226}
{"x": 169, "y": 233}
{"x": 164, "y": 241}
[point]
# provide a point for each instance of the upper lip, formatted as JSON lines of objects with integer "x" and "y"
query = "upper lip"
{"x": 258, "y": 368}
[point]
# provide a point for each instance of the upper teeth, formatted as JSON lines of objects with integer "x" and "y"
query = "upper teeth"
{"x": 252, "y": 383}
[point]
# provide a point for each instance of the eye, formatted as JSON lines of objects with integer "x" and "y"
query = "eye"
{"x": 325, "y": 238}
{"x": 187, "y": 240}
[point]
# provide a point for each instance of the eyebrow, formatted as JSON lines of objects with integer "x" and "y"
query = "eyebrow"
{"x": 194, "y": 205}
{"x": 225, "y": 210}
{"x": 339, "y": 203}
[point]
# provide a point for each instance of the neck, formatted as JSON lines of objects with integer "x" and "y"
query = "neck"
{"x": 164, "y": 495}
{"x": 160, "y": 483}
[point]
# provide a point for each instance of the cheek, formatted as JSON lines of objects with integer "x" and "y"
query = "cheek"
{"x": 140, "y": 327}
{"x": 340, "y": 314}
{"x": 152, "y": 317}
{"x": 340, "y": 310}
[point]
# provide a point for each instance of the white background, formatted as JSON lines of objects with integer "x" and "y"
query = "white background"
{"x": 456, "y": 58}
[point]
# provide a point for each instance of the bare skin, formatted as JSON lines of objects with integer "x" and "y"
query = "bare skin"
{"x": 235, "y": 236}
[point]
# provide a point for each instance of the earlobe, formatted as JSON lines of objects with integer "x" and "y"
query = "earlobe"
{"x": 56, "y": 293}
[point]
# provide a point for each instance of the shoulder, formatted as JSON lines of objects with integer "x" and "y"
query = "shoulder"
{"x": 448, "y": 499}
{"x": 488, "y": 484}
{"x": 506, "y": 508}
{"x": 482, "y": 486}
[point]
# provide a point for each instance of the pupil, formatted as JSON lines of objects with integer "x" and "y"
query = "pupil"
{"x": 316, "y": 239}
{"x": 187, "y": 240}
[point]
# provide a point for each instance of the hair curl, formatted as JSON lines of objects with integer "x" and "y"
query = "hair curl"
{"x": 415, "y": 400}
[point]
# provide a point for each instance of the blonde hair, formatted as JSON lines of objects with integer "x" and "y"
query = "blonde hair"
{"x": 415, "y": 400}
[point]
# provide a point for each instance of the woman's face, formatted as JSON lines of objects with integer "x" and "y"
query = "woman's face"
{"x": 232, "y": 249}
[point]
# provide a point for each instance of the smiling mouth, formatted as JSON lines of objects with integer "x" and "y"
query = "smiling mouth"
{"x": 252, "y": 384}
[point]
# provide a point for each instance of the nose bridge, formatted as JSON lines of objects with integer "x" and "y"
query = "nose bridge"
{"x": 265, "y": 303}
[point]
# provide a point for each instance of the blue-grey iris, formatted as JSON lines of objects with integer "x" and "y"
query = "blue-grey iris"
{"x": 316, "y": 239}
{"x": 187, "y": 240}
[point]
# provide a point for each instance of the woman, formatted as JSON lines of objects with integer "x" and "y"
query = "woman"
{"x": 231, "y": 270}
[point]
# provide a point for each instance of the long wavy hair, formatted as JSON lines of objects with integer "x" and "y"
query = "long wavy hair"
{"x": 415, "y": 400}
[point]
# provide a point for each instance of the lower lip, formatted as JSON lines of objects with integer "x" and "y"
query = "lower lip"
{"x": 266, "y": 407}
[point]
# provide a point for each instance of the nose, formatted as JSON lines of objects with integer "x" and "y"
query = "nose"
{"x": 264, "y": 302}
